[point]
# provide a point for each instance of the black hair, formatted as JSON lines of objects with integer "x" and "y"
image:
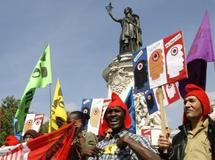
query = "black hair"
{"x": 32, "y": 133}
{"x": 80, "y": 115}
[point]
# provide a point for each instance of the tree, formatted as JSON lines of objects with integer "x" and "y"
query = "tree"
{"x": 8, "y": 109}
{"x": 44, "y": 127}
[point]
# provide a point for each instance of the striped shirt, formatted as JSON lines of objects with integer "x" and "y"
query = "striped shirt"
{"x": 112, "y": 152}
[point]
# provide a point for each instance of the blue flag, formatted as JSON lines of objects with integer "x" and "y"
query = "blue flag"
{"x": 140, "y": 71}
{"x": 130, "y": 104}
{"x": 151, "y": 101}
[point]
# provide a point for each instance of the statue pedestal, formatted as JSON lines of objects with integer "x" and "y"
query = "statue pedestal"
{"x": 120, "y": 78}
{"x": 119, "y": 75}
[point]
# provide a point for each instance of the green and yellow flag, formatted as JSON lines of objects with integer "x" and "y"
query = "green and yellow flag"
{"x": 57, "y": 108}
{"x": 40, "y": 78}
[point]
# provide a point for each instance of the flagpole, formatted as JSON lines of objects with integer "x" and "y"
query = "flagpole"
{"x": 164, "y": 124}
{"x": 50, "y": 98}
{"x": 214, "y": 65}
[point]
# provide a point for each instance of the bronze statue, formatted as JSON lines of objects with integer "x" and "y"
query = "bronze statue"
{"x": 130, "y": 38}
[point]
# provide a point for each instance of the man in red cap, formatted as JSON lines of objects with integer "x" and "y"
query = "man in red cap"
{"x": 122, "y": 144}
{"x": 196, "y": 139}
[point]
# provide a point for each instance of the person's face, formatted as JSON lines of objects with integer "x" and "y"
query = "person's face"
{"x": 115, "y": 118}
{"x": 192, "y": 108}
{"x": 28, "y": 138}
{"x": 73, "y": 117}
{"x": 60, "y": 122}
{"x": 128, "y": 12}
{"x": 78, "y": 121}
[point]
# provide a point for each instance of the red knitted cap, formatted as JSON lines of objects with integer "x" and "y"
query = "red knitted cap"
{"x": 201, "y": 95}
{"x": 116, "y": 101}
{"x": 11, "y": 141}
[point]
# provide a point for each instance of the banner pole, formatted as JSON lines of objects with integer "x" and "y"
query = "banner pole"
{"x": 50, "y": 105}
{"x": 164, "y": 124}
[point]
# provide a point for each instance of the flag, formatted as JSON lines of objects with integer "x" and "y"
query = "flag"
{"x": 202, "y": 46}
{"x": 168, "y": 92}
{"x": 95, "y": 108}
{"x": 54, "y": 145}
{"x": 140, "y": 65}
{"x": 171, "y": 93}
{"x": 160, "y": 63}
{"x": 200, "y": 53}
{"x": 151, "y": 103}
{"x": 130, "y": 104}
{"x": 57, "y": 108}
{"x": 40, "y": 77}
{"x": 197, "y": 73}
{"x": 33, "y": 121}
{"x": 95, "y": 112}
{"x": 152, "y": 134}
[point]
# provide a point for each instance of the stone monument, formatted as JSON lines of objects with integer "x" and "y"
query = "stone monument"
{"x": 130, "y": 39}
{"x": 119, "y": 73}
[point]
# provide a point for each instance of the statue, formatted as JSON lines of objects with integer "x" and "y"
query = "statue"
{"x": 130, "y": 38}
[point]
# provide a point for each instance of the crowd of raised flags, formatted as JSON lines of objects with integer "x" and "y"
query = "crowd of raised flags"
{"x": 156, "y": 67}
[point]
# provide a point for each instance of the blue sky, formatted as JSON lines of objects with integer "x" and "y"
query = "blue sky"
{"x": 84, "y": 40}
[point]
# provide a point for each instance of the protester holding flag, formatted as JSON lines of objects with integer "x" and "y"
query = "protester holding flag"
{"x": 196, "y": 138}
{"x": 84, "y": 144}
{"x": 122, "y": 143}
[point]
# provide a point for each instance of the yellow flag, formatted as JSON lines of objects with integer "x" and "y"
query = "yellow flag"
{"x": 57, "y": 108}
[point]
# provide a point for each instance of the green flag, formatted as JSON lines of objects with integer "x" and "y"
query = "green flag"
{"x": 40, "y": 77}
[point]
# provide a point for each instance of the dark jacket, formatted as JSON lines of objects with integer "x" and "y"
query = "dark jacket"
{"x": 180, "y": 140}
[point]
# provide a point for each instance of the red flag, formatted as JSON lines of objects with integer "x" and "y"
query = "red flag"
{"x": 54, "y": 145}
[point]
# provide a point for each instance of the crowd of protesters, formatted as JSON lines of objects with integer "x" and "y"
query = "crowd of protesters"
{"x": 195, "y": 140}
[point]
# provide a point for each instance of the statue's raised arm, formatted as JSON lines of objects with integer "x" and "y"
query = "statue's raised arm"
{"x": 111, "y": 15}
{"x": 130, "y": 38}
{"x": 109, "y": 8}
